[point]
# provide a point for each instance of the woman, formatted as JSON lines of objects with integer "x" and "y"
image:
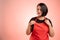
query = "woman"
{"x": 40, "y": 27}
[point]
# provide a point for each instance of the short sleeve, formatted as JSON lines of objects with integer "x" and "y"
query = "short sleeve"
{"x": 33, "y": 18}
{"x": 50, "y": 21}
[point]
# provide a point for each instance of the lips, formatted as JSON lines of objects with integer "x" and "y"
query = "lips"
{"x": 38, "y": 13}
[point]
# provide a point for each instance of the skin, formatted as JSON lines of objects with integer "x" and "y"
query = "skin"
{"x": 39, "y": 13}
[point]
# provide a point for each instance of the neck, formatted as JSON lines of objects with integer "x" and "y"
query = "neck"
{"x": 41, "y": 17}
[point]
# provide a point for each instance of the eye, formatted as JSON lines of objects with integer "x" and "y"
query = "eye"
{"x": 37, "y": 9}
{"x": 40, "y": 9}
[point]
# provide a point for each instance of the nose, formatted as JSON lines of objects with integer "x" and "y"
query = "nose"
{"x": 38, "y": 11}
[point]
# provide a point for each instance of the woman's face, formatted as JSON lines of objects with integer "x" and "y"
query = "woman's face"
{"x": 39, "y": 12}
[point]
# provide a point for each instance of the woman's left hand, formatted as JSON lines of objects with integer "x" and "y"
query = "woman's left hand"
{"x": 47, "y": 22}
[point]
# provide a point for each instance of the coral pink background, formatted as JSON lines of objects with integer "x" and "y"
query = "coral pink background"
{"x": 15, "y": 15}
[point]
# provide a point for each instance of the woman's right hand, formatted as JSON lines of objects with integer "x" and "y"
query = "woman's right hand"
{"x": 32, "y": 22}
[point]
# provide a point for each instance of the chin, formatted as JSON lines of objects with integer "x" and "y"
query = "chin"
{"x": 39, "y": 15}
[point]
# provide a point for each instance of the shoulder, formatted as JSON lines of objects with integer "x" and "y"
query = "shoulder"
{"x": 47, "y": 19}
{"x": 33, "y": 18}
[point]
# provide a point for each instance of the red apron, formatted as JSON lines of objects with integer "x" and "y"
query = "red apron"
{"x": 40, "y": 32}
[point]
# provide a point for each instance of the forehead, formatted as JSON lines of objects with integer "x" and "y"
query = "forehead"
{"x": 38, "y": 7}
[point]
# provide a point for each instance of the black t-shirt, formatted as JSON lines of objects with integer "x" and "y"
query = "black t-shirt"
{"x": 38, "y": 21}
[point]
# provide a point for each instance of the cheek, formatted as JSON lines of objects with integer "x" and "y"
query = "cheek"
{"x": 39, "y": 12}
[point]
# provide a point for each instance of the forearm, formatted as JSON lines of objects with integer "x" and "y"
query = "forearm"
{"x": 28, "y": 31}
{"x": 51, "y": 31}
